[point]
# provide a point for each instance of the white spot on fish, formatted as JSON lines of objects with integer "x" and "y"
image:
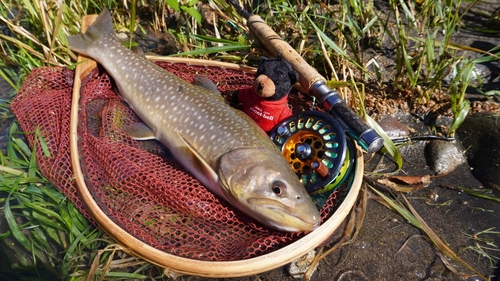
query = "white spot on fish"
{"x": 157, "y": 99}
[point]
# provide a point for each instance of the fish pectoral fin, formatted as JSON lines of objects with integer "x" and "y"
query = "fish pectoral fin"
{"x": 202, "y": 163}
{"x": 139, "y": 131}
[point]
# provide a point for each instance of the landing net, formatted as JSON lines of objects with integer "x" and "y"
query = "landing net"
{"x": 137, "y": 184}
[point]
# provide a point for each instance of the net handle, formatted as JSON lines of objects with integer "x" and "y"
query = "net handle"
{"x": 179, "y": 265}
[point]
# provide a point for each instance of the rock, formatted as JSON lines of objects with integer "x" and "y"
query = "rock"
{"x": 480, "y": 136}
{"x": 298, "y": 268}
{"x": 443, "y": 156}
{"x": 394, "y": 128}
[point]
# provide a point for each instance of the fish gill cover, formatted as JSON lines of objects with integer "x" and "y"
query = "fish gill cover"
{"x": 135, "y": 183}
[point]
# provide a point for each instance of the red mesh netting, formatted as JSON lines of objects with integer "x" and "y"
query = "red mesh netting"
{"x": 140, "y": 188}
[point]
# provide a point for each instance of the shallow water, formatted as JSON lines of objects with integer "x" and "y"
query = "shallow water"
{"x": 6, "y": 93}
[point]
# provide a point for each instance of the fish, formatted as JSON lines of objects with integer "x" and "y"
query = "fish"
{"x": 220, "y": 146}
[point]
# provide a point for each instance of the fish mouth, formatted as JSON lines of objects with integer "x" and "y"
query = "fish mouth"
{"x": 284, "y": 218}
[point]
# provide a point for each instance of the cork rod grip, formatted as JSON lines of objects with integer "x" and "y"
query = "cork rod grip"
{"x": 275, "y": 44}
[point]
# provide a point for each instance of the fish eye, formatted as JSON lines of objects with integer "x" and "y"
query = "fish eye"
{"x": 278, "y": 188}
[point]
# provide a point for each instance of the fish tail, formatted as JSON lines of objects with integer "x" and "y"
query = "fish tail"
{"x": 82, "y": 42}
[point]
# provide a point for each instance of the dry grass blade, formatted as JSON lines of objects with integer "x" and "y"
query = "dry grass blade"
{"x": 96, "y": 269}
{"x": 327, "y": 58}
{"x": 412, "y": 216}
{"x": 408, "y": 240}
{"x": 450, "y": 266}
{"x": 438, "y": 242}
{"x": 22, "y": 45}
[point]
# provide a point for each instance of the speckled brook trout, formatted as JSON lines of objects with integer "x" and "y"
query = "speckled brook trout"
{"x": 223, "y": 148}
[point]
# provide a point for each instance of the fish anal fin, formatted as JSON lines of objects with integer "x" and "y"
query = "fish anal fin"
{"x": 139, "y": 131}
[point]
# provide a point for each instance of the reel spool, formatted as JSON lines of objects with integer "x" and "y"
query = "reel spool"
{"x": 317, "y": 149}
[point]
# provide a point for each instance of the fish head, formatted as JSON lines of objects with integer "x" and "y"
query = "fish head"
{"x": 260, "y": 182}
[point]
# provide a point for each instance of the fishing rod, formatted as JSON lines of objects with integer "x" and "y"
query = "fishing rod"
{"x": 314, "y": 83}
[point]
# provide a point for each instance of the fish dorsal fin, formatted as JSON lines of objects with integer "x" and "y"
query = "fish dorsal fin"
{"x": 204, "y": 82}
{"x": 203, "y": 166}
{"x": 139, "y": 131}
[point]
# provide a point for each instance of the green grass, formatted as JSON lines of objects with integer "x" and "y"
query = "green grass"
{"x": 40, "y": 219}
{"x": 53, "y": 239}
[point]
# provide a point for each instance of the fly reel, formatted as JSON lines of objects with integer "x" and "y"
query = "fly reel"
{"x": 317, "y": 149}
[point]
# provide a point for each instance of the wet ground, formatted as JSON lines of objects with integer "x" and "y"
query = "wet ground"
{"x": 390, "y": 248}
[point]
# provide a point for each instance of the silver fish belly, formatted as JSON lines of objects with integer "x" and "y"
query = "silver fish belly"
{"x": 223, "y": 148}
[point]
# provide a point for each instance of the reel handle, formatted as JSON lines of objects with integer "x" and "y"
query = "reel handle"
{"x": 313, "y": 82}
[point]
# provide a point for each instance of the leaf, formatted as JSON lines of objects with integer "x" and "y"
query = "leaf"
{"x": 480, "y": 195}
{"x": 43, "y": 143}
{"x": 492, "y": 93}
{"x": 8, "y": 80}
{"x": 388, "y": 144}
{"x": 406, "y": 183}
{"x": 213, "y": 39}
{"x": 22, "y": 146}
{"x": 12, "y": 171}
{"x": 174, "y": 4}
{"x": 213, "y": 50}
{"x": 460, "y": 117}
{"x": 192, "y": 11}
{"x": 411, "y": 180}
{"x": 126, "y": 275}
{"x": 14, "y": 228}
